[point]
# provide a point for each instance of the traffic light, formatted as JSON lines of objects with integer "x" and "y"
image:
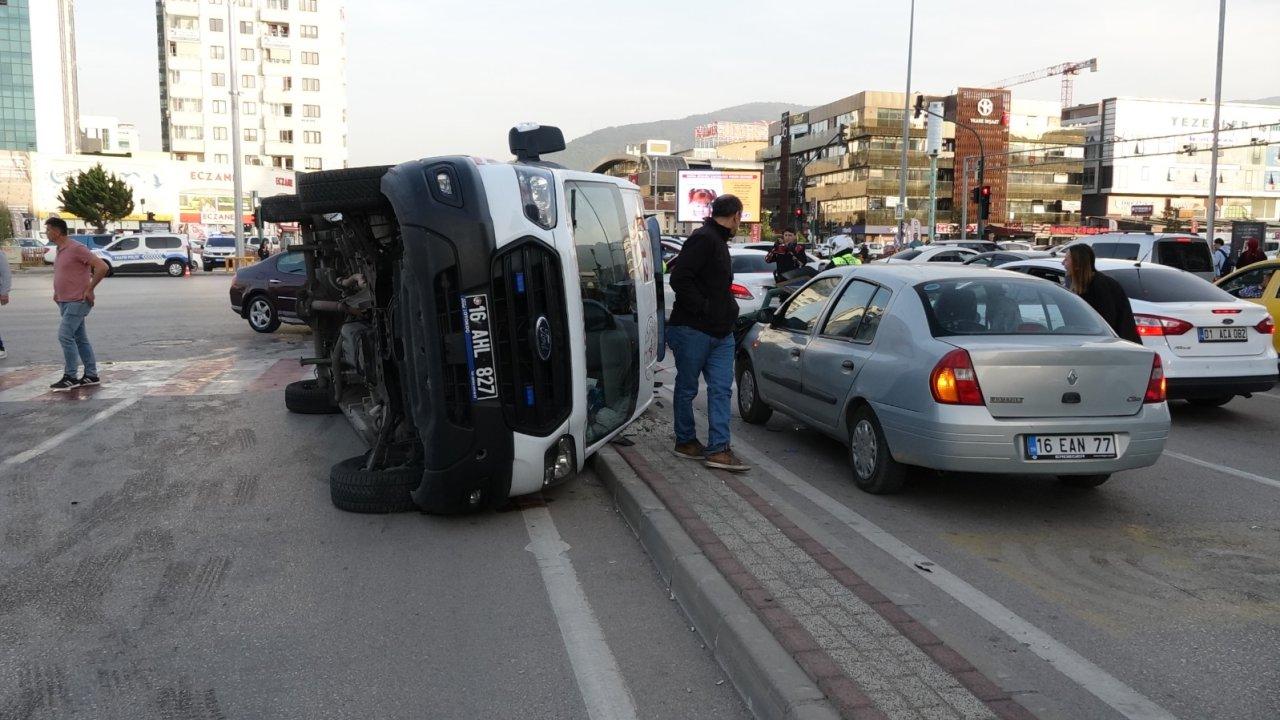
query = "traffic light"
{"x": 799, "y": 212}
{"x": 919, "y": 105}
{"x": 984, "y": 202}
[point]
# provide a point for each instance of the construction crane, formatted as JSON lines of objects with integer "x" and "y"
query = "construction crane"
{"x": 1067, "y": 70}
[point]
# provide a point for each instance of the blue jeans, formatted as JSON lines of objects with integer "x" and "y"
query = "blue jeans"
{"x": 74, "y": 339}
{"x": 698, "y": 353}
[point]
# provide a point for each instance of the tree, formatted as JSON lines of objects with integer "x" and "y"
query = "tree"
{"x": 97, "y": 196}
{"x": 1172, "y": 223}
{"x": 6, "y": 224}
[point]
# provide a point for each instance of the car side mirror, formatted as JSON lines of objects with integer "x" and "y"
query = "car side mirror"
{"x": 765, "y": 315}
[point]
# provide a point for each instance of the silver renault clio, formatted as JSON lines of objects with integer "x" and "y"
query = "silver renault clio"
{"x": 955, "y": 368}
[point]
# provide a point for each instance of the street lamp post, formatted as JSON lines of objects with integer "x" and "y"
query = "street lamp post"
{"x": 237, "y": 182}
{"x": 1211, "y": 210}
{"x": 906, "y": 128}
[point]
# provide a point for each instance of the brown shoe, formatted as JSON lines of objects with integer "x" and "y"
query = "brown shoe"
{"x": 726, "y": 460}
{"x": 692, "y": 450}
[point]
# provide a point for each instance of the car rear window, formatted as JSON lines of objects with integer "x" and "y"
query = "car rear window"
{"x": 1158, "y": 285}
{"x": 1189, "y": 255}
{"x": 221, "y": 242}
{"x": 1119, "y": 251}
{"x": 751, "y": 263}
{"x": 1005, "y": 307}
{"x": 908, "y": 255}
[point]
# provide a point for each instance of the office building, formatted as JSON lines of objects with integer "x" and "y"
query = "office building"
{"x": 38, "y": 100}
{"x": 106, "y": 134}
{"x": 290, "y": 58}
{"x": 1149, "y": 155}
{"x": 850, "y": 182}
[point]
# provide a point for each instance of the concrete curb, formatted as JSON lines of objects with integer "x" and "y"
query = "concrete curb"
{"x": 771, "y": 683}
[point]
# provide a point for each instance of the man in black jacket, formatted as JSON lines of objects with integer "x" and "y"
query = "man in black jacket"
{"x": 700, "y": 334}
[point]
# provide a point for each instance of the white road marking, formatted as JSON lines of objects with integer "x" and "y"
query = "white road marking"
{"x": 237, "y": 378}
{"x": 1111, "y": 690}
{"x": 600, "y": 682}
{"x": 70, "y": 432}
{"x": 1224, "y": 469}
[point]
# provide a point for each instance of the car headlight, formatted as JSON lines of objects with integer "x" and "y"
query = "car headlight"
{"x": 561, "y": 461}
{"x": 537, "y": 195}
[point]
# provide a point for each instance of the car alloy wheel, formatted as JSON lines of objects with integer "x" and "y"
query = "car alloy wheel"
{"x": 746, "y": 392}
{"x": 175, "y": 268}
{"x": 865, "y": 449}
{"x": 260, "y": 314}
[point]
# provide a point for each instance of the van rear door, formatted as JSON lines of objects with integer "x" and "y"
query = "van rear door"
{"x": 1185, "y": 253}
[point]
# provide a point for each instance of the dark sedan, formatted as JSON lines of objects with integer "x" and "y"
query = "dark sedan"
{"x": 265, "y": 293}
{"x": 1001, "y": 257}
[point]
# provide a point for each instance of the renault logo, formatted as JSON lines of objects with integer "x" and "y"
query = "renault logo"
{"x": 542, "y": 337}
{"x": 1072, "y": 377}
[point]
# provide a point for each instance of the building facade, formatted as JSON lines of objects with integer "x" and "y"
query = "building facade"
{"x": 106, "y": 134}
{"x": 38, "y": 97}
{"x": 290, "y": 72}
{"x": 850, "y": 182}
{"x": 1149, "y": 156}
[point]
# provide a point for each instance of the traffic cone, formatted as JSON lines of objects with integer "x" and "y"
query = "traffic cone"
{"x": 187, "y": 270}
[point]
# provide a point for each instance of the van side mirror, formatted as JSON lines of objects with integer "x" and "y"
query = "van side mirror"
{"x": 765, "y": 315}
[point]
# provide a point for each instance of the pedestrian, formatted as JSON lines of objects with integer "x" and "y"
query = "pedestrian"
{"x": 700, "y": 334}
{"x": 264, "y": 252}
{"x": 76, "y": 272}
{"x": 6, "y": 283}
{"x": 1222, "y": 264}
{"x": 1103, "y": 294}
{"x": 787, "y": 254}
{"x": 864, "y": 254}
{"x": 1252, "y": 254}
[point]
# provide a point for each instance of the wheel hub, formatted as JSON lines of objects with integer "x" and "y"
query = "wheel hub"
{"x": 863, "y": 447}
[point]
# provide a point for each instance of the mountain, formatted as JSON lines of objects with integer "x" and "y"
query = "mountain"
{"x": 1266, "y": 101}
{"x": 583, "y": 153}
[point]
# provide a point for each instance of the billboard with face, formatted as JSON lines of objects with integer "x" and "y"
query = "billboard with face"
{"x": 697, "y": 189}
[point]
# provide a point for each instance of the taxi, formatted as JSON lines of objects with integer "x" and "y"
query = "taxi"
{"x": 1258, "y": 283}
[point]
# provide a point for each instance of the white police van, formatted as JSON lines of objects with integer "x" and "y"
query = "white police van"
{"x": 485, "y": 326}
{"x": 168, "y": 254}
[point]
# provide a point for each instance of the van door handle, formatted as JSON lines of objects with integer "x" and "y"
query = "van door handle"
{"x": 795, "y": 352}
{"x": 847, "y": 364}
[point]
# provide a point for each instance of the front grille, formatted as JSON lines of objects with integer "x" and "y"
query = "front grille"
{"x": 456, "y": 379}
{"x": 527, "y": 285}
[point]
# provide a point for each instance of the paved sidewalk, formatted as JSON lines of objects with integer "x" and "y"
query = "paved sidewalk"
{"x": 869, "y": 657}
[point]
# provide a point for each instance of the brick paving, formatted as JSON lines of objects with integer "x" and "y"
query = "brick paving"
{"x": 870, "y": 658}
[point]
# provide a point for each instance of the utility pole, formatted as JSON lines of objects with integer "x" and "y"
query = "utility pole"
{"x": 964, "y": 202}
{"x": 1211, "y": 211}
{"x": 784, "y": 171}
{"x": 906, "y": 128}
{"x": 237, "y": 182}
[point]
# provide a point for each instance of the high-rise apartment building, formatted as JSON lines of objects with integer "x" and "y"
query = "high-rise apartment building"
{"x": 290, "y": 58}
{"x": 38, "y": 100}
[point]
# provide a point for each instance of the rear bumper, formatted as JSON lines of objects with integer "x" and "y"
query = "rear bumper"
{"x": 1207, "y": 387}
{"x": 968, "y": 439}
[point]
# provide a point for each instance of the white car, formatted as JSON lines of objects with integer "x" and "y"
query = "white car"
{"x": 752, "y": 279}
{"x": 1177, "y": 250}
{"x": 1015, "y": 246}
{"x": 1213, "y": 346}
{"x": 932, "y": 253}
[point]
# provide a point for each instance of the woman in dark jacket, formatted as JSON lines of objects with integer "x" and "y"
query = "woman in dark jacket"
{"x": 1251, "y": 254}
{"x": 1102, "y": 293}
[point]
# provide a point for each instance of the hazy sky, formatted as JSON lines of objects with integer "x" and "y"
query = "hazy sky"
{"x": 428, "y": 77}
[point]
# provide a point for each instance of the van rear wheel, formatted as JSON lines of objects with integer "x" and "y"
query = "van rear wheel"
{"x": 309, "y": 397}
{"x": 343, "y": 190}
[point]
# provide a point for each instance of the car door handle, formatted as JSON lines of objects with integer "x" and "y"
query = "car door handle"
{"x": 795, "y": 352}
{"x": 273, "y": 282}
{"x": 847, "y": 364}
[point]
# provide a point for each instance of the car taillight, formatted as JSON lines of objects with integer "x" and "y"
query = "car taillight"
{"x": 1157, "y": 326}
{"x": 953, "y": 381}
{"x": 1156, "y": 384}
{"x": 1267, "y": 326}
{"x": 741, "y": 292}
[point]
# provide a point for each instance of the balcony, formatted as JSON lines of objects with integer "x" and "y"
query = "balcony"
{"x": 185, "y": 8}
{"x": 273, "y": 94}
{"x": 271, "y": 41}
{"x": 184, "y": 62}
{"x": 184, "y": 145}
{"x": 275, "y": 15}
{"x": 183, "y": 34}
{"x": 276, "y": 147}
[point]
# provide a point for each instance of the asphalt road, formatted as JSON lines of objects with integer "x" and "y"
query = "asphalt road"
{"x": 1166, "y": 578}
{"x": 180, "y": 559}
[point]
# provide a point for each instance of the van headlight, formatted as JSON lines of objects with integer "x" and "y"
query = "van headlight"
{"x": 561, "y": 462}
{"x": 537, "y": 195}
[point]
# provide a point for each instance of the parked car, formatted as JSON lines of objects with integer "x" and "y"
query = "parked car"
{"x": 169, "y": 254}
{"x": 1177, "y": 250}
{"x": 874, "y": 249}
{"x": 29, "y": 243}
{"x": 974, "y": 245}
{"x": 266, "y": 293}
{"x": 1259, "y": 283}
{"x": 752, "y": 278}
{"x": 93, "y": 242}
{"x": 1212, "y": 345}
{"x": 1002, "y": 257}
{"x": 217, "y": 250}
{"x": 1015, "y": 246}
{"x": 952, "y": 368}
{"x": 932, "y": 253}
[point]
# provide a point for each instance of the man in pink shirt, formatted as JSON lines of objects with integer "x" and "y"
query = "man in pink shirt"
{"x": 76, "y": 272}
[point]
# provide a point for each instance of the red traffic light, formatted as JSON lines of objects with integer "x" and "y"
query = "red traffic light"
{"x": 985, "y": 191}
{"x": 799, "y": 212}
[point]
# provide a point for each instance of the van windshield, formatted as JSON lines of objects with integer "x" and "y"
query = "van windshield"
{"x": 1184, "y": 254}
{"x": 221, "y": 242}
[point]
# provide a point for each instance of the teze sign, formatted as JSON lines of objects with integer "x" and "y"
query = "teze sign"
{"x": 987, "y": 112}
